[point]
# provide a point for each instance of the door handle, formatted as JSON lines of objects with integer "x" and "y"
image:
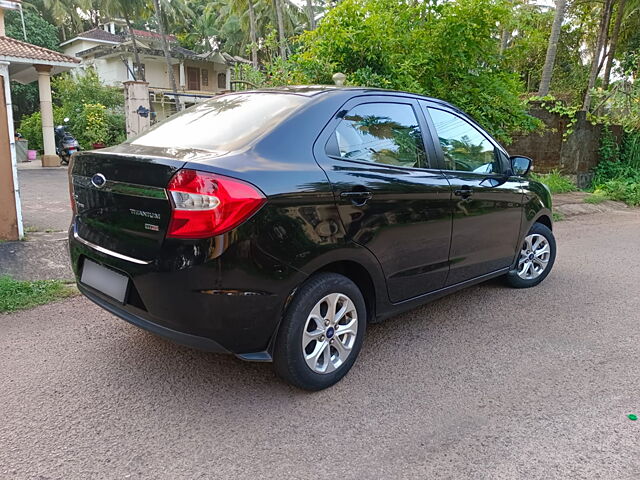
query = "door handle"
{"x": 465, "y": 191}
{"x": 357, "y": 197}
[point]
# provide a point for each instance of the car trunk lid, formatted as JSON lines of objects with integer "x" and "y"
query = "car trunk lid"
{"x": 120, "y": 197}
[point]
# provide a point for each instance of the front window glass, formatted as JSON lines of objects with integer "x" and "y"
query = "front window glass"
{"x": 385, "y": 133}
{"x": 464, "y": 147}
{"x": 221, "y": 124}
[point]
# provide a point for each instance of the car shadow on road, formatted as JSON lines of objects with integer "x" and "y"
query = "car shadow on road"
{"x": 157, "y": 368}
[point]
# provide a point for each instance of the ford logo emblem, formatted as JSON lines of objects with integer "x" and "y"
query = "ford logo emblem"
{"x": 98, "y": 180}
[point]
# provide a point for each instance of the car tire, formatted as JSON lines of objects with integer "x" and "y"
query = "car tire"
{"x": 307, "y": 353}
{"x": 534, "y": 262}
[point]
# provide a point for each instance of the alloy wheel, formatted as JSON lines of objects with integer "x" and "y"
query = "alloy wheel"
{"x": 330, "y": 333}
{"x": 534, "y": 256}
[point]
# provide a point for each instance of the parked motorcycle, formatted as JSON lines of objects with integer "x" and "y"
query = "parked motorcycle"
{"x": 66, "y": 144}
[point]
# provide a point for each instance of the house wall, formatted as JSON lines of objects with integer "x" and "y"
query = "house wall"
{"x": 78, "y": 46}
{"x": 112, "y": 71}
{"x": 155, "y": 72}
{"x": 212, "y": 69}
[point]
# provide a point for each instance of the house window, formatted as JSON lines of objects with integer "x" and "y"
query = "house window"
{"x": 222, "y": 80}
{"x": 205, "y": 77}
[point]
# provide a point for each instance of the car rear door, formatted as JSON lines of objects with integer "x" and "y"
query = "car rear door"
{"x": 390, "y": 198}
{"x": 487, "y": 201}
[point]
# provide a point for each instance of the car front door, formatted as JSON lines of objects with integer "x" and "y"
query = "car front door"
{"x": 390, "y": 198}
{"x": 486, "y": 202}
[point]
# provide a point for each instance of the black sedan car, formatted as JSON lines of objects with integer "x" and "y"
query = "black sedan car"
{"x": 276, "y": 224}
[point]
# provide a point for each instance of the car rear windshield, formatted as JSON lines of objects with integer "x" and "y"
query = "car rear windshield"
{"x": 221, "y": 124}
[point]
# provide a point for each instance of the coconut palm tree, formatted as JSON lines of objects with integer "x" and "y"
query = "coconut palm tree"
{"x": 128, "y": 9}
{"x": 603, "y": 33}
{"x": 613, "y": 44}
{"x": 282, "y": 45}
{"x": 311, "y": 14}
{"x": 165, "y": 48}
{"x": 552, "y": 48}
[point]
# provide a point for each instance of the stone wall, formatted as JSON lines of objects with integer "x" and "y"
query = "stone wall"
{"x": 577, "y": 155}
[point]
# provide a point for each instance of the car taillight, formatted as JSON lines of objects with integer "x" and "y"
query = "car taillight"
{"x": 206, "y": 204}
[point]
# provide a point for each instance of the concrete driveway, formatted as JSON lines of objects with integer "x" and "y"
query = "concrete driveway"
{"x": 489, "y": 383}
{"x": 44, "y": 193}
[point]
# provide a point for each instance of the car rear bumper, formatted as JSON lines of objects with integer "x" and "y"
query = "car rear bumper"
{"x": 228, "y": 303}
{"x": 201, "y": 343}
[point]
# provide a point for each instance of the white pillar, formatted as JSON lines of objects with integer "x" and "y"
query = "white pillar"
{"x": 49, "y": 158}
{"x": 183, "y": 79}
{"x": 130, "y": 69}
{"x": 2, "y": 30}
{"x": 136, "y": 107}
{"x": 4, "y": 72}
{"x": 228, "y": 79}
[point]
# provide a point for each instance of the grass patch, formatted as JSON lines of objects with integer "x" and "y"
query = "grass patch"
{"x": 556, "y": 182}
{"x": 596, "y": 198}
{"x": 625, "y": 190}
{"x": 18, "y": 294}
{"x": 557, "y": 216}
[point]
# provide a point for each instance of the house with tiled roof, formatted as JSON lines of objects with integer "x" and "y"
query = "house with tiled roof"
{"x": 111, "y": 53}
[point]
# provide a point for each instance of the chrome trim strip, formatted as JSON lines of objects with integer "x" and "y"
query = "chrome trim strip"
{"x": 123, "y": 188}
{"x": 106, "y": 251}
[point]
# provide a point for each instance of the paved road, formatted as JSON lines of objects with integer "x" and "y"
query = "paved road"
{"x": 46, "y": 211}
{"x": 489, "y": 383}
{"x": 44, "y": 193}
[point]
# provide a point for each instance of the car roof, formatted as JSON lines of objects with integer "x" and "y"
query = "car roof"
{"x": 317, "y": 90}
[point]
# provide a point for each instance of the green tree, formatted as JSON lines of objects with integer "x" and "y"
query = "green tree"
{"x": 599, "y": 50}
{"x": 447, "y": 50}
{"x": 65, "y": 14}
{"x": 41, "y": 33}
{"x": 554, "y": 37}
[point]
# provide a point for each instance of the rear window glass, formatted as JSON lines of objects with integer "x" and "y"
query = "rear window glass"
{"x": 221, "y": 124}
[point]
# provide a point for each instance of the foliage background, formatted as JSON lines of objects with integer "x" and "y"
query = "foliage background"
{"x": 445, "y": 50}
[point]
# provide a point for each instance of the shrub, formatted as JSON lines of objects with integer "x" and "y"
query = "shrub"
{"x": 556, "y": 182}
{"x": 617, "y": 175}
{"x": 623, "y": 190}
{"x": 95, "y": 111}
{"x": 31, "y": 129}
{"x": 93, "y": 124}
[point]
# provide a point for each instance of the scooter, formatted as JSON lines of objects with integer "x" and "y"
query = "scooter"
{"x": 66, "y": 144}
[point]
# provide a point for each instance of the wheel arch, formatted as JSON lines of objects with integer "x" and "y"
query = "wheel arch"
{"x": 545, "y": 220}
{"x": 359, "y": 275}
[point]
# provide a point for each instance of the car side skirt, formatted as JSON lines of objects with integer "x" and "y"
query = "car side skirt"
{"x": 397, "y": 308}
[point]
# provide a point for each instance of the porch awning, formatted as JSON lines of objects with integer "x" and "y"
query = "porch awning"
{"x": 22, "y": 56}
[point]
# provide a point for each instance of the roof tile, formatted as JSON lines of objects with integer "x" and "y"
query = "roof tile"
{"x": 100, "y": 34}
{"x": 10, "y": 47}
{"x": 148, "y": 34}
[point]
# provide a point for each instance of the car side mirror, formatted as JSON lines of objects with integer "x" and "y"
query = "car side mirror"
{"x": 520, "y": 165}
